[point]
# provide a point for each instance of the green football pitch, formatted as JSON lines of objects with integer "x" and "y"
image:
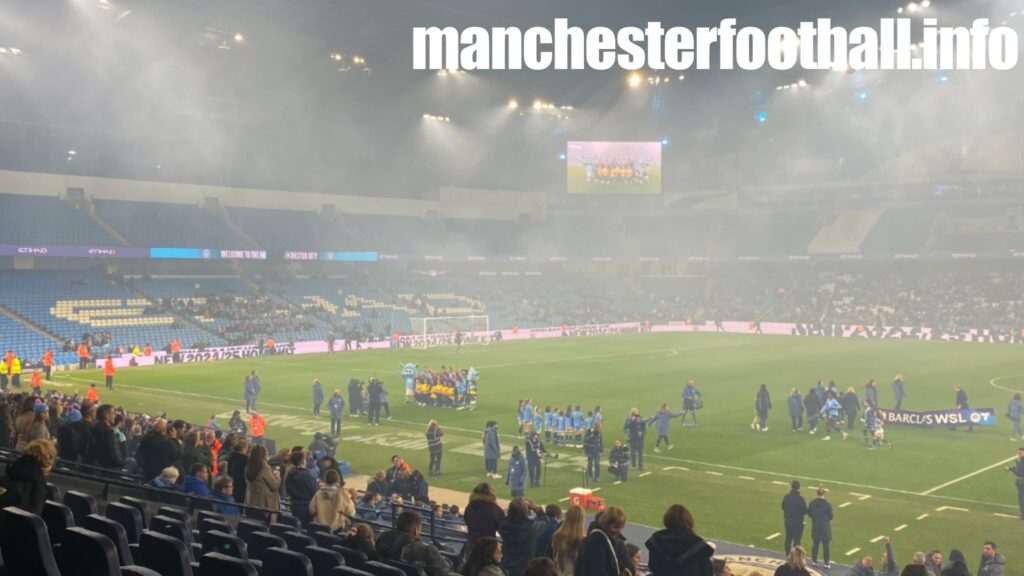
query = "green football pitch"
{"x": 936, "y": 488}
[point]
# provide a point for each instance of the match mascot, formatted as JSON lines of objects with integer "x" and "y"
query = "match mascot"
{"x": 408, "y": 373}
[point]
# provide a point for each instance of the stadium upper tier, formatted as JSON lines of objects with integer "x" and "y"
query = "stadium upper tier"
{"x": 668, "y": 234}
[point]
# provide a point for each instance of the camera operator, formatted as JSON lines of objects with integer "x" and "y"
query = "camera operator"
{"x": 534, "y": 452}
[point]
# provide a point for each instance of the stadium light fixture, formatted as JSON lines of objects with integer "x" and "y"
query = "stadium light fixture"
{"x": 926, "y": 3}
{"x": 635, "y": 80}
{"x": 513, "y": 104}
{"x": 239, "y": 38}
{"x": 913, "y": 7}
{"x": 802, "y": 83}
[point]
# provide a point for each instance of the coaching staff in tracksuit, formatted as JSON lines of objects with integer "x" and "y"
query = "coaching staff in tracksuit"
{"x": 794, "y": 509}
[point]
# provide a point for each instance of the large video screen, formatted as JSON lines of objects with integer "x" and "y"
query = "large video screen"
{"x": 613, "y": 167}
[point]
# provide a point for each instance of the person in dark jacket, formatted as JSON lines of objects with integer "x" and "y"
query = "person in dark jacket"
{"x": 483, "y": 516}
{"x": 68, "y": 436}
{"x": 636, "y": 429}
{"x": 603, "y": 552}
{"x": 796, "y": 410}
{"x": 519, "y": 535}
{"x": 677, "y": 549}
{"x": 992, "y": 562}
{"x": 962, "y": 404}
{"x": 593, "y": 447}
{"x": 318, "y": 397}
{"x": 796, "y": 563}
{"x": 237, "y": 460}
{"x": 762, "y": 406}
{"x": 553, "y": 517}
{"x": 156, "y": 451}
{"x": 956, "y": 565}
{"x": 419, "y": 490}
{"x": 492, "y": 449}
{"x": 794, "y": 509}
{"x": 360, "y": 537}
{"x": 812, "y": 403}
{"x": 517, "y": 470}
{"x": 105, "y": 450}
{"x": 300, "y": 486}
{"x": 821, "y": 515}
{"x": 851, "y": 405}
{"x": 24, "y": 480}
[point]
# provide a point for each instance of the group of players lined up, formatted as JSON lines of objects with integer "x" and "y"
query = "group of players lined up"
{"x": 448, "y": 387}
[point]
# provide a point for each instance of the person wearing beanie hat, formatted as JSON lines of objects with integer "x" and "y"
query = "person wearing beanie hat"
{"x": 74, "y": 415}
{"x": 40, "y": 408}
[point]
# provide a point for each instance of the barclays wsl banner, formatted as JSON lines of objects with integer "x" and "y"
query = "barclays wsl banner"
{"x": 939, "y": 418}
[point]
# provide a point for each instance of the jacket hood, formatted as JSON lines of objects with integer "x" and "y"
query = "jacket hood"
{"x": 678, "y": 546}
{"x": 25, "y": 469}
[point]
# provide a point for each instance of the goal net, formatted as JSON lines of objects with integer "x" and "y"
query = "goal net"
{"x": 442, "y": 330}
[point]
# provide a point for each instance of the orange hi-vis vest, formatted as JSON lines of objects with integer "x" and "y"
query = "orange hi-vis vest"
{"x": 93, "y": 396}
{"x": 48, "y": 359}
{"x": 175, "y": 347}
{"x": 83, "y": 351}
{"x": 108, "y": 367}
{"x": 37, "y": 379}
{"x": 257, "y": 426}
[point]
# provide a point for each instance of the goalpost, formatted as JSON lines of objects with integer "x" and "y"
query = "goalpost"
{"x": 440, "y": 330}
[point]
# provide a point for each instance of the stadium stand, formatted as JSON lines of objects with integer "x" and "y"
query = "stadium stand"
{"x": 48, "y": 220}
{"x": 173, "y": 225}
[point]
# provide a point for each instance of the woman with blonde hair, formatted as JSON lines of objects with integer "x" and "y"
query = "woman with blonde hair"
{"x": 566, "y": 542}
{"x": 796, "y": 563}
{"x": 24, "y": 481}
{"x": 263, "y": 485}
{"x": 332, "y": 505}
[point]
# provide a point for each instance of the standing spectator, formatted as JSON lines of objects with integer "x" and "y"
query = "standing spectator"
{"x": 812, "y": 403}
{"x": 32, "y": 424}
{"x": 762, "y": 405}
{"x": 794, "y": 509}
{"x": 263, "y": 485}
{"x": 109, "y": 371}
{"x": 483, "y": 516}
{"x": 552, "y": 518}
{"x": 636, "y": 429}
{"x": 992, "y": 562}
{"x": 677, "y": 549}
{"x": 355, "y": 397}
{"x": 156, "y": 450}
{"x": 300, "y": 487}
{"x": 419, "y": 489}
{"x": 257, "y": 387}
{"x": 1014, "y": 412}
{"x": 336, "y": 405}
{"x": 373, "y": 390}
{"x": 796, "y": 563}
{"x": 934, "y": 563}
{"x": 898, "y": 391}
{"x": 434, "y": 435}
{"x": 105, "y": 453}
{"x": 24, "y": 480}
{"x": 593, "y": 447}
{"x": 237, "y": 460}
{"x": 603, "y": 552}
{"x": 956, "y": 565}
{"x": 871, "y": 393}
{"x": 492, "y": 449}
{"x": 484, "y": 558}
{"x": 332, "y": 505}
{"x": 517, "y": 470}
{"x": 796, "y": 410}
{"x": 237, "y": 425}
{"x": 384, "y": 404}
{"x": 662, "y": 418}
{"x": 821, "y": 515}
{"x": 68, "y": 435}
{"x": 247, "y": 392}
{"x": 567, "y": 541}
{"x": 318, "y": 397}
{"x": 519, "y": 533}
{"x": 93, "y": 395}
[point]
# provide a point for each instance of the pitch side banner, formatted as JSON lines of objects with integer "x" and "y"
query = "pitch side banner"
{"x": 938, "y": 418}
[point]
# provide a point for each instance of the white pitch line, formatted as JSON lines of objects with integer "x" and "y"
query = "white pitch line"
{"x": 776, "y": 535}
{"x": 942, "y": 508}
{"x": 877, "y": 539}
{"x": 845, "y": 504}
{"x": 1004, "y": 515}
{"x": 966, "y": 476}
{"x": 780, "y": 483}
{"x": 922, "y": 517}
{"x": 852, "y": 552}
{"x": 646, "y": 474}
{"x": 857, "y": 494}
{"x": 865, "y": 497}
{"x": 747, "y": 478}
{"x": 598, "y": 489}
{"x": 900, "y": 527}
{"x": 713, "y": 473}
{"x": 563, "y": 499}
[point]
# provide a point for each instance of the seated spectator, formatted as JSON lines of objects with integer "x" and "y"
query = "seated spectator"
{"x": 677, "y": 549}
{"x": 369, "y": 506}
{"x": 796, "y": 563}
{"x": 195, "y": 482}
{"x": 360, "y": 537}
{"x": 332, "y": 505}
{"x": 224, "y": 489}
{"x": 419, "y": 490}
{"x": 24, "y": 480}
{"x": 519, "y": 533}
{"x": 300, "y": 487}
{"x": 379, "y": 484}
{"x": 403, "y": 543}
{"x": 483, "y": 559}
{"x": 168, "y": 479}
{"x": 604, "y": 551}
{"x": 453, "y": 513}
{"x": 483, "y": 516}
{"x": 540, "y": 567}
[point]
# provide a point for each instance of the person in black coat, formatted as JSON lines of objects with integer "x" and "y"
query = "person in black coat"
{"x": 796, "y": 563}
{"x": 519, "y": 535}
{"x": 24, "y": 480}
{"x": 237, "y": 461}
{"x": 483, "y": 516}
{"x": 156, "y": 451}
{"x": 962, "y": 404}
{"x": 105, "y": 450}
{"x": 603, "y": 552}
{"x": 821, "y": 515}
{"x": 794, "y": 509}
{"x": 677, "y": 549}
